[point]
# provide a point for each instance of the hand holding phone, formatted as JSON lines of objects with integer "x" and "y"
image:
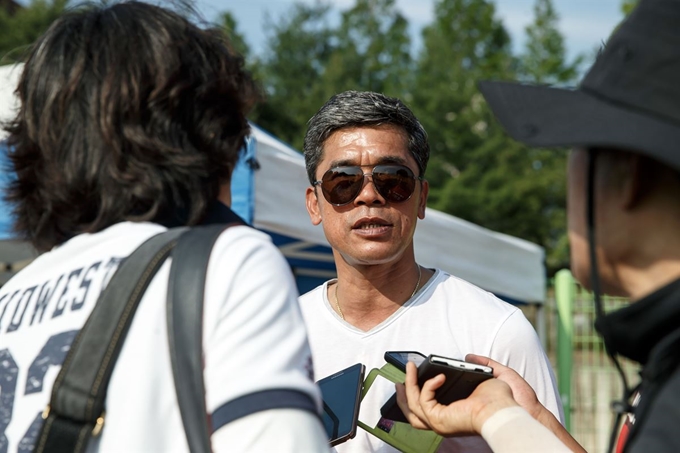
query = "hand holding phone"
{"x": 461, "y": 378}
{"x": 341, "y": 393}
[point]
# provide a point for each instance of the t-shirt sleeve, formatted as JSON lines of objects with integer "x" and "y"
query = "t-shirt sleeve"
{"x": 257, "y": 357}
{"x": 512, "y": 430}
{"x": 517, "y": 345}
{"x": 280, "y": 430}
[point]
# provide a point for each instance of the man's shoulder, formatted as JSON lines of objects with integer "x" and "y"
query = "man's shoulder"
{"x": 116, "y": 241}
{"x": 467, "y": 289}
{"x": 244, "y": 238}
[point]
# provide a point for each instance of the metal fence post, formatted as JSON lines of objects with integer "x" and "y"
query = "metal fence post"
{"x": 565, "y": 290}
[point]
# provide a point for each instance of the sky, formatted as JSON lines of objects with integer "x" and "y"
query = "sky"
{"x": 585, "y": 24}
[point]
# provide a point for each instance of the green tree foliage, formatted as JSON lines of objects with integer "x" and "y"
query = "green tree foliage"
{"x": 307, "y": 61}
{"x": 465, "y": 43}
{"x": 628, "y": 5}
{"x": 298, "y": 48}
{"x": 478, "y": 173}
{"x": 228, "y": 23}
{"x": 372, "y": 51}
{"x": 21, "y": 29}
{"x": 544, "y": 60}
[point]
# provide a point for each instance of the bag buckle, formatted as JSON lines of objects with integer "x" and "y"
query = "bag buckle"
{"x": 98, "y": 425}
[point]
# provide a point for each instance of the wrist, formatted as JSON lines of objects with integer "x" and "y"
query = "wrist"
{"x": 545, "y": 417}
{"x": 488, "y": 409}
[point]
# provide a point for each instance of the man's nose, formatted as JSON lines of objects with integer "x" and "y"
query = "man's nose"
{"x": 369, "y": 194}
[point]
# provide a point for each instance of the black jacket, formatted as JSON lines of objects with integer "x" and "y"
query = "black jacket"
{"x": 648, "y": 331}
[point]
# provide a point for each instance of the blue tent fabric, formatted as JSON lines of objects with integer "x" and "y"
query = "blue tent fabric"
{"x": 5, "y": 211}
{"x": 309, "y": 273}
{"x": 243, "y": 183}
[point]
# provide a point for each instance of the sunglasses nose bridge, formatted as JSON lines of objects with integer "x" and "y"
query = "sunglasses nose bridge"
{"x": 369, "y": 181}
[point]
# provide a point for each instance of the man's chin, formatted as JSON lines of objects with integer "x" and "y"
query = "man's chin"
{"x": 371, "y": 257}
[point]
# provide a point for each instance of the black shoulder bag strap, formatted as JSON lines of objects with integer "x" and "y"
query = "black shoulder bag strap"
{"x": 186, "y": 287}
{"x": 76, "y": 409}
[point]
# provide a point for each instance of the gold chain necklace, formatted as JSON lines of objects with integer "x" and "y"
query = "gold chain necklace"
{"x": 337, "y": 302}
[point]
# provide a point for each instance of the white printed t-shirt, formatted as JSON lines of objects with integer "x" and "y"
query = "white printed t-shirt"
{"x": 448, "y": 317}
{"x": 257, "y": 359}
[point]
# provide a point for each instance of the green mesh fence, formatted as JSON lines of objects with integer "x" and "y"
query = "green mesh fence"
{"x": 587, "y": 379}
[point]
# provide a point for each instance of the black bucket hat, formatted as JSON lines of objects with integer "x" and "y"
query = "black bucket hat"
{"x": 629, "y": 99}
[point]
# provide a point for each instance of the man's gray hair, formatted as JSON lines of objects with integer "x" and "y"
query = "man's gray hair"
{"x": 357, "y": 109}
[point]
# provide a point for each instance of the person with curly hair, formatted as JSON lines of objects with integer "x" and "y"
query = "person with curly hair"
{"x": 131, "y": 121}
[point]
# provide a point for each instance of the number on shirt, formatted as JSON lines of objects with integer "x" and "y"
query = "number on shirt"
{"x": 52, "y": 354}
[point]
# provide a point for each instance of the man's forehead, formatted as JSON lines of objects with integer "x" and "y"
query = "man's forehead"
{"x": 383, "y": 143}
{"x": 355, "y": 161}
{"x": 360, "y": 134}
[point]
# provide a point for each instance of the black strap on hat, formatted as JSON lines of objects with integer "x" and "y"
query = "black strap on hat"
{"x": 621, "y": 406}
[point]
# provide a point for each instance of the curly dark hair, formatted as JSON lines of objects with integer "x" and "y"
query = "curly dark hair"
{"x": 362, "y": 108}
{"x": 128, "y": 112}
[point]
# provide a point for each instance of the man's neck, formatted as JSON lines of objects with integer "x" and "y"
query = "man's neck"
{"x": 641, "y": 251}
{"x": 368, "y": 295}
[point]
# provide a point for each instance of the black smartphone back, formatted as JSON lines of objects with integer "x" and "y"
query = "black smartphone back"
{"x": 341, "y": 393}
{"x": 461, "y": 377}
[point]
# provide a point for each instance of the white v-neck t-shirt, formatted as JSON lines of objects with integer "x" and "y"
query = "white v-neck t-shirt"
{"x": 448, "y": 317}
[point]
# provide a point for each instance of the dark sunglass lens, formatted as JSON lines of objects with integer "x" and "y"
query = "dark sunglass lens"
{"x": 342, "y": 184}
{"x": 395, "y": 183}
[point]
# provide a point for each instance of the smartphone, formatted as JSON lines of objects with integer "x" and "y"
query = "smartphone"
{"x": 341, "y": 393}
{"x": 400, "y": 358}
{"x": 390, "y": 410}
{"x": 461, "y": 379}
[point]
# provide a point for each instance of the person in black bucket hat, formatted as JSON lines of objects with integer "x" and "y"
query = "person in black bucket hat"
{"x": 623, "y": 123}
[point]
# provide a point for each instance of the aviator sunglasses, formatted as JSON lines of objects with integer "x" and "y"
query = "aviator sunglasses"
{"x": 341, "y": 185}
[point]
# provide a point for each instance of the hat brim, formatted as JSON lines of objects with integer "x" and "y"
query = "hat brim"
{"x": 544, "y": 116}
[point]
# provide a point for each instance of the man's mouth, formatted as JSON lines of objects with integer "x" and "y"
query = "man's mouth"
{"x": 368, "y": 224}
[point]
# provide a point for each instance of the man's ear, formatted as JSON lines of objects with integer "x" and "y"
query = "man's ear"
{"x": 313, "y": 208}
{"x": 422, "y": 201}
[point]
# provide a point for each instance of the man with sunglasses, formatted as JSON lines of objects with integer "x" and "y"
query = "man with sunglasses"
{"x": 366, "y": 155}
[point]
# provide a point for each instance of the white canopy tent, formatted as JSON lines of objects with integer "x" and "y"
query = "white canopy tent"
{"x": 9, "y": 78}
{"x": 270, "y": 194}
